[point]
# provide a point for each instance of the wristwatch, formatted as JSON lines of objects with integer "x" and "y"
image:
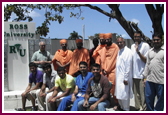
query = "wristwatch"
{"x": 138, "y": 52}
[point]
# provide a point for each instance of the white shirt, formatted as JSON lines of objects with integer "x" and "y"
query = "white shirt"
{"x": 138, "y": 64}
{"x": 124, "y": 72}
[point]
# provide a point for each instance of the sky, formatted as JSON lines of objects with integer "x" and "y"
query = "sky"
{"x": 96, "y": 22}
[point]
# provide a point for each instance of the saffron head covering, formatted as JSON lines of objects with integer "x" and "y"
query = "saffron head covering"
{"x": 107, "y": 35}
{"x": 101, "y": 35}
{"x": 63, "y": 41}
{"x": 79, "y": 40}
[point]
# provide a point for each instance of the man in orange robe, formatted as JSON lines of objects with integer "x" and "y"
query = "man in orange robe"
{"x": 62, "y": 57}
{"x": 107, "y": 59}
{"x": 99, "y": 47}
{"x": 79, "y": 54}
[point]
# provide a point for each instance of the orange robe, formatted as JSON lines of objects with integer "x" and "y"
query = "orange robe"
{"x": 95, "y": 53}
{"x": 77, "y": 57}
{"x": 63, "y": 58}
{"x": 107, "y": 59}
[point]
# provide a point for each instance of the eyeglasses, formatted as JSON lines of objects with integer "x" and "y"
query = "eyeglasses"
{"x": 42, "y": 45}
{"x": 137, "y": 36}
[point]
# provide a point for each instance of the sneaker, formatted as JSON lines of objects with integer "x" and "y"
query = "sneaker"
{"x": 33, "y": 109}
{"x": 19, "y": 109}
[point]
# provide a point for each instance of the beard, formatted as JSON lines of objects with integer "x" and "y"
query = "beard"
{"x": 79, "y": 47}
{"x": 108, "y": 43}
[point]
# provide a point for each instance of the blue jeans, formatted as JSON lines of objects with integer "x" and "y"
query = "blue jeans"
{"x": 67, "y": 101}
{"x": 101, "y": 106}
{"x": 152, "y": 90}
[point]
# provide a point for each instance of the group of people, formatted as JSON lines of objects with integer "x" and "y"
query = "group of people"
{"x": 86, "y": 80}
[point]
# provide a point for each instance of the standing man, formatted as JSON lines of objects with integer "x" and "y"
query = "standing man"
{"x": 123, "y": 89}
{"x": 62, "y": 56}
{"x": 139, "y": 50}
{"x": 107, "y": 60}
{"x": 79, "y": 54}
{"x": 47, "y": 88}
{"x": 80, "y": 89}
{"x": 41, "y": 56}
{"x": 99, "y": 47}
{"x": 95, "y": 43}
{"x": 35, "y": 77}
{"x": 64, "y": 85}
{"x": 99, "y": 86}
{"x": 154, "y": 75}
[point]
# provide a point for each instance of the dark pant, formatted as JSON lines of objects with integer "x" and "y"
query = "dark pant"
{"x": 152, "y": 90}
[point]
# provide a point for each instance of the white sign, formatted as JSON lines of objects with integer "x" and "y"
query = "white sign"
{"x": 19, "y": 30}
{"x": 17, "y": 34}
{"x": 18, "y": 61}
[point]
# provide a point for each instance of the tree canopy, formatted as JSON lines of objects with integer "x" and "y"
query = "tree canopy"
{"x": 53, "y": 13}
{"x": 74, "y": 35}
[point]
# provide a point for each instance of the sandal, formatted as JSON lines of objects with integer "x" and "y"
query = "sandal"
{"x": 115, "y": 107}
{"x": 19, "y": 109}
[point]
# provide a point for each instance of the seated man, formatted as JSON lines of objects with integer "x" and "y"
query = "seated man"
{"x": 47, "y": 88}
{"x": 80, "y": 89}
{"x": 64, "y": 85}
{"x": 99, "y": 86}
{"x": 35, "y": 77}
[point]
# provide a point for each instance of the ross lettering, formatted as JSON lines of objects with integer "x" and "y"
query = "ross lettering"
{"x": 16, "y": 26}
{"x": 21, "y": 26}
{"x": 25, "y": 26}
{"x": 11, "y": 26}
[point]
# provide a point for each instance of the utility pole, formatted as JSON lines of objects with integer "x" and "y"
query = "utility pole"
{"x": 83, "y": 33}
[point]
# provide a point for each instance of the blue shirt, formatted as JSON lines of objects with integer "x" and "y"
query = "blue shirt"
{"x": 36, "y": 78}
{"x": 82, "y": 82}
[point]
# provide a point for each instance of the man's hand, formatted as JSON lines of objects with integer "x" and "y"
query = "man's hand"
{"x": 44, "y": 95}
{"x": 125, "y": 82}
{"x": 104, "y": 72}
{"x": 49, "y": 100}
{"x": 42, "y": 62}
{"x": 85, "y": 103}
{"x": 144, "y": 82}
{"x": 41, "y": 94}
{"x": 53, "y": 100}
{"x": 24, "y": 94}
{"x": 136, "y": 47}
{"x": 73, "y": 98}
{"x": 92, "y": 107}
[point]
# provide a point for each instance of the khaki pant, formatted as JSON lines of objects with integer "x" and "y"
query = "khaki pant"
{"x": 41, "y": 100}
{"x": 32, "y": 93}
{"x": 139, "y": 94}
{"x": 52, "y": 106}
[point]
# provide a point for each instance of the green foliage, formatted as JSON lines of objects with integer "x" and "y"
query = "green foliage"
{"x": 96, "y": 35}
{"x": 74, "y": 35}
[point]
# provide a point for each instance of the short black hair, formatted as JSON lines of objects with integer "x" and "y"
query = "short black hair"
{"x": 83, "y": 63}
{"x": 138, "y": 32}
{"x": 31, "y": 64}
{"x": 95, "y": 65}
{"x": 60, "y": 69}
{"x": 47, "y": 65}
{"x": 157, "y": 35}
{"x": 95, "y": 39}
